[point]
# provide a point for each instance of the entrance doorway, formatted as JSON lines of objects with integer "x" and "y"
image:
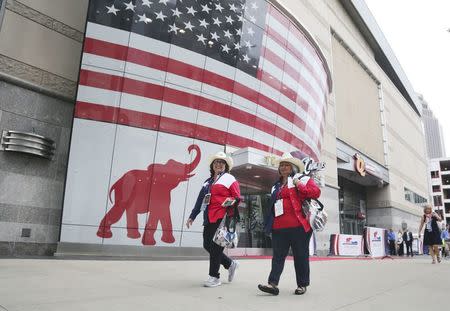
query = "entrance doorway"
{"x": 352, "y": 207}
{"x": 253, "y": 211}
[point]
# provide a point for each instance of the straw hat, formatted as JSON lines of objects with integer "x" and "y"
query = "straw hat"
{"x": 221, "y": 156}
{"x": 287, "y": 157}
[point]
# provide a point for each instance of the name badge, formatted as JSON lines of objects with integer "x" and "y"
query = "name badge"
{"x": 207, "y": 199}
{"x": 205, "y": 202}
{"x": 279, "y": 208}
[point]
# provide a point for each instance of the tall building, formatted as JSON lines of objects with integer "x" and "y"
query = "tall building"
{"x": 434, "y": 136}
{"x": 110, "y": 109}
{"x": 440, "y": 186}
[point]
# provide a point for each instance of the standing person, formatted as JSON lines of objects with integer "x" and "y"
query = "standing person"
{"x": 400, "y": 249}
{"x": 220, "y": 188}
{"x": 391, "y": 241}
{"x": 408, "y": 239}
{"x": 431, "y": 236}
{"x": 288, "y": 224}
{"x": 445, "y": 237}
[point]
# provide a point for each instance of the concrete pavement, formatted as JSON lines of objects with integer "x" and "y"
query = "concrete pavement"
{"x": 50, "y": 284}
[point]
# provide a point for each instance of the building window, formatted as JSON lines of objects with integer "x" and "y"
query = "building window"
{"x": 445, "y": 165}
{"x": 413, "y": 197}
{"x": 446, "y": 194}
{"x": 437, "y": 200}
{"x": 447, "y": 208}
{"x": 434, "y": 174}
{"x": 436, "y": 188}
{"x": 445, "y": 180}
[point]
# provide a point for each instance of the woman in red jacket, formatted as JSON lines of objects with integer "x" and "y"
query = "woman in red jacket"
{"x": 221, "y": 187}
{"x": 288, "y": 224}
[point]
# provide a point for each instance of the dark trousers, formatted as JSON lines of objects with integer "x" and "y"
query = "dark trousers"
{"x": 298, "y": 240}
{"x": 216, "y": 255}
{"x": 392, "y": 247}
{"x": 400, "y": 249}
{"x": 409, "y": 248}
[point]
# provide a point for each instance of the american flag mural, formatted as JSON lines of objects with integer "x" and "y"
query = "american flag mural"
{"x": 249, "y": 73}
{"x": 163, "y": 85}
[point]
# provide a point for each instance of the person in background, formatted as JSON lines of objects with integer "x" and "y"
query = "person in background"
{"x": 288, "y": 225}
{"x": 400, "y": 250}
{"x": 391, "y": 241}
{"x": 445, "y": 241}
{"x": 219, "y": 190}
{"x": 408, "y": 239}
{"x": 432, "y": 235}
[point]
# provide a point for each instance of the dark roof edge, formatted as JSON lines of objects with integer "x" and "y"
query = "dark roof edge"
{"x": 384, "y": 55}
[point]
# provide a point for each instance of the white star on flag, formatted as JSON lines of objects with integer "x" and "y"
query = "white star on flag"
{"x": 240, "y": 18}
{"x": 214, "y": 36}
{"x": 205, "y": 8}
{"x": 204, "y": 23}
{"x": 233, "y": 7}
{"x": 227, "y": 34}
{"x": 143, "y": 18}
{"x": 250, "y": 31}
{"x": 225, "y": 48}
{"x": 237, "y": 46}
{"x": 201, "y": 38}
{"x": 217, "y": 21}
{"x": 176, "y": 12}
{"x": 248, "y": 44}
{"x": 254, "y": 6}
{"x": 130, "y": 6}
{"x": 239, "y": 32}
{"x": 164, "y": 1}
{"x": 173, "y": 28}
{"x": 189, "y": 25}
{"x": 146, "y": 3}
{"x": 252, "y": 19}
{"x": 246, "y": 58}
{"x": 191, "y": 11}
{"x": 112, "y": 10}
{"x": 160, "y": 16}
{"x": 219, "y": 7}
{"x": 229, "y": 19}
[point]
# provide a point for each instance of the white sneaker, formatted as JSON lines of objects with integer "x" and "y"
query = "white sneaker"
{"x": 232, "y": 270}
{"x": 212, "y": 282}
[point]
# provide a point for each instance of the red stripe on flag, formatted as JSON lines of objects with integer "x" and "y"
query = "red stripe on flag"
{"x": 218, "y": 81}
{"x": 170, "y": 125}
{"x": 106, "y": 49}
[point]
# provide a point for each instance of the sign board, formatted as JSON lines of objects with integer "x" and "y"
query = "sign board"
{"x": 346, "y": 245}
{"x": 376, "y": 241}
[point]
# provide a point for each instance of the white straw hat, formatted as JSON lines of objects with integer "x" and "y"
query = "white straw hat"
{"x": 287, "y": 157}
{"x": 221, "y": 156}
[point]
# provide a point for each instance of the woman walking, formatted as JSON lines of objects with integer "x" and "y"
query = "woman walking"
{"x": 432, "y": 235}
{"x": 219, "y": 190}
{"x": 288, "y": 224}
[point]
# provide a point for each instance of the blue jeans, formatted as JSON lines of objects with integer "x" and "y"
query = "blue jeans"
{"x": 298, "y": 240}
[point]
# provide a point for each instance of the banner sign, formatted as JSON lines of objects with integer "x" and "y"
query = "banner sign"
{"x": 375, "y": 241}
{"x": 346, "y": 245}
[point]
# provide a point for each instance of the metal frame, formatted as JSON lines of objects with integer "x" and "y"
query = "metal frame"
{"x": 28, "y": 143}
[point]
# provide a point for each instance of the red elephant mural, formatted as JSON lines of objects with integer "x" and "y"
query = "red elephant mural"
{"x": 147, "y": 191}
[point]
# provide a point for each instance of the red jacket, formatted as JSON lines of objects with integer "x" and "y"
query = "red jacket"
{"x": 293, "y": 197}
{"x": 226, "y": 186}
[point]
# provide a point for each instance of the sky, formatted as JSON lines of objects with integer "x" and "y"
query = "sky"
{"x": 417, "y": 31}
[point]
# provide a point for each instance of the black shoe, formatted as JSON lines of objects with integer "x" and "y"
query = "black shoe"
{"x": 269, "y": 289}
{"x": 300, "y": 290}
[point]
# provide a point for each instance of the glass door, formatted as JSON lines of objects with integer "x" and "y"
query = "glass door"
{"x": 253, "y": 210}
